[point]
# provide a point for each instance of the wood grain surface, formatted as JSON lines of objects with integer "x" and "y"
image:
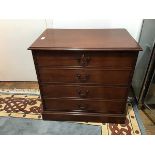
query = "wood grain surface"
{"x": 91, "y": 39}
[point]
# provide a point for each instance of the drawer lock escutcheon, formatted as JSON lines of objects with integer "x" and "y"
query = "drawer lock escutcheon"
{"x": 83, "y": 93}
{"x": 84, "y": 60}
{"x": 82, "y": 78}
{"x": 82, "y": 107}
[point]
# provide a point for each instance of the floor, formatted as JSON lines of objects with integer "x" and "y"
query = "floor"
{"x": 148, "y": 120}
{"x": 21, "y": 126}
{"x": 147, "y": 117}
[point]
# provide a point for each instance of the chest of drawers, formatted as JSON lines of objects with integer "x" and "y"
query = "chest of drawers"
{"x": 84, "y": 74}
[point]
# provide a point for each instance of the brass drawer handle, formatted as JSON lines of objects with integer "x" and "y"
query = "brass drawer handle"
{"x": 83, "y": 61}
{"x": 82, "y": 78}
{"x": 83, "y": 93}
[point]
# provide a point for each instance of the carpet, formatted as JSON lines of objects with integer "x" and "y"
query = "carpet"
{"x": 26, "y": 105}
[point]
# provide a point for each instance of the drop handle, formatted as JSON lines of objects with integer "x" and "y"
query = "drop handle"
{"x": 82, "y": 78}
{"x": 83, "y": 93}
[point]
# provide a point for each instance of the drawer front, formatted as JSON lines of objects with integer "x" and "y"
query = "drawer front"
{"x": 73, "y": 91}
{"x": 84, "y": 59}
{"x": 99, "y": 106}
{"x": 112, "y": 77}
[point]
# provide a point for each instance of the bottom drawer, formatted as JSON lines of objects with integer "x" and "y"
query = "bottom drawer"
{"x": 99, "y": 106}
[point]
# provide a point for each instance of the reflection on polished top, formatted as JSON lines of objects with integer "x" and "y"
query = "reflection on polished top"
{"x": 91, "y": 39}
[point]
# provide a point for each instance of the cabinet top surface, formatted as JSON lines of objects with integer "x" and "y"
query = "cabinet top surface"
{"x": 85, "y": 39}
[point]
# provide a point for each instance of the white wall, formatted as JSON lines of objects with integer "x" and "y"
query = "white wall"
{"x": 132, "y": 25}
{"x": 16, "y": 63}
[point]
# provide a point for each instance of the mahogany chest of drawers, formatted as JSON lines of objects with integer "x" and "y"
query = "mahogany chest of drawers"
{"x": 85, "y": 74}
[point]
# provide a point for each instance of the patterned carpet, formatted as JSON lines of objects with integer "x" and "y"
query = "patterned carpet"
{"x": 27, "y": 104}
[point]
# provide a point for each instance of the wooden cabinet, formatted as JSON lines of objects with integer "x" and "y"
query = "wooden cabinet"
{"x": 85, "y": 74}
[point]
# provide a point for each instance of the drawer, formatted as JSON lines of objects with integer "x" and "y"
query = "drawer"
{"x": 84, "y": 59}
{"x": 99, "y": 106}
{"x": 77, "y": 91}
{"x": 102, "y": 76}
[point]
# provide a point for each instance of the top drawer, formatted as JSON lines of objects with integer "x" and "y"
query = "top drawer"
{"x": 85, "y": 59}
